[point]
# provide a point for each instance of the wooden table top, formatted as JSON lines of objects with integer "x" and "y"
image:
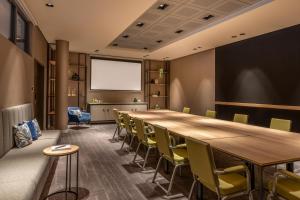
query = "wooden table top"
{"x": 48, "y": 151}
{"x": 259, "y": 145}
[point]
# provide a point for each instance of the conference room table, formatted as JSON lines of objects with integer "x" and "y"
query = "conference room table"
{"x": 258, "y": 146}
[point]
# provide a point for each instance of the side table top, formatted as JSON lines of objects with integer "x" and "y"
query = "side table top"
{"x": 48, "y": 151}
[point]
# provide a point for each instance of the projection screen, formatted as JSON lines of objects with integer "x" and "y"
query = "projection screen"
{"x": 116, "y": 75}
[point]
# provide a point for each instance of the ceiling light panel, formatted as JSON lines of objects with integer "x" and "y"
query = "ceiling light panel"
{"x": 186, "y": 15}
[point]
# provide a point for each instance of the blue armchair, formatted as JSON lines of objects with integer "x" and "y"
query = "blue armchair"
{"x": 77, "y": 116}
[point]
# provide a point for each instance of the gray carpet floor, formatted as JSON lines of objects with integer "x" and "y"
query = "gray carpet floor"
{"x": 106, "y": 172}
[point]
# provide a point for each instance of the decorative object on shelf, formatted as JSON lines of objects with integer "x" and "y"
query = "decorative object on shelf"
{"x": 152, "y": 81}
{"x": 156, "y": 81}
{"x": 157, "y": 107}
{"x": 161, "y": 72}
{"x": 135, "y": 100}
{"x": 139, "y": 100}
{"x": 75, "y": 77}
{"x": 154, "y": 95}
{"x": 158, "y": 93}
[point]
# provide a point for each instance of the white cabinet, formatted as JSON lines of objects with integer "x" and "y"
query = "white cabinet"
{"x": 103, "y": 112}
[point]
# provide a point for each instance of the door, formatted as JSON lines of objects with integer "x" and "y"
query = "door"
{"x": 39, "y": 93}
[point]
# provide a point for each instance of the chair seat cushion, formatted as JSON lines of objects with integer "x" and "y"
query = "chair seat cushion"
{"x": 180, "y": 154}
{"x": 287, "y": 188}
{"x": 151, "y": 141}
{"x": 232, "y": 183}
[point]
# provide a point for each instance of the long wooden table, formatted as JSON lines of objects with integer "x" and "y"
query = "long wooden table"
{"x": 256, "y": 145}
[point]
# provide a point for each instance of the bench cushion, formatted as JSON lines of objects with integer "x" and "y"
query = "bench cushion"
{"x": 18, "y": 190}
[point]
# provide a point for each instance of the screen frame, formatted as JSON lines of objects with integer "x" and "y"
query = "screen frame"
{"x": 119, "y": 60}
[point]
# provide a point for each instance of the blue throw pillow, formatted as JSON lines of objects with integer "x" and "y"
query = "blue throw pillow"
{"x": 37, "y": 127}
{"x": 33, "y": 130}
{"x": 22, "y": 135}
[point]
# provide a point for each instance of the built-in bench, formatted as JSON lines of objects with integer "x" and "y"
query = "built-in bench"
{"x": 24, "y": 171}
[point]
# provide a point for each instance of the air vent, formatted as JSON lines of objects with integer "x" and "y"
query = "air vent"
{"x": 208, "y": 17}
{"x": 159, "y": 41}
{"x": 146, "y": 48}
{"x": 140, "y": 24}
{"x": 125, "y": 36}
{"x": 179, "y": 31}
{"x": 162, "y": 6}
{"x": 115, "y": 45}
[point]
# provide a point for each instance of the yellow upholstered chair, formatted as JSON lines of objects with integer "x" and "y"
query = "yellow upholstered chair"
{"x": 281, "y": 124}
{"x": 226, "y": 183}
{"x": 146, "y": 137}
{"x": 186, "y": 110}
{"x": 119, "y": 122}
{"x": 175, "y": 155}
{"x": 286, "y": 185}
{"x": 240, "y": 118}
{"x": 211, "y": 113}
{"x": 130, "y": 130}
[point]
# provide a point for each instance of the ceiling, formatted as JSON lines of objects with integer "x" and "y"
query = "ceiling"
{"x": 158, "y": 27}
{"x": 96, "y": 24}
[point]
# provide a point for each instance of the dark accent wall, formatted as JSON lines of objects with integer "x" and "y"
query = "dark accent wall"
{"x": 265, "y": 70}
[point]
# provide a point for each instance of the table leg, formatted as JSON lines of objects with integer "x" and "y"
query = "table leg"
{"x": 290, "y": 167}
{"x": 261, "y": 182}
{"x": 70, "y": 172}
{"x": 166, "y": 166}
{"x": 199, "y": 191}
{"x": 67, "y": 174}
{"x": 77, "y": 173}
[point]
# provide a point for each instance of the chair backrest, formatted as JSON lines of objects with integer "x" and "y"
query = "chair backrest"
{"x": 116, "y": 115}
{"x": 240, "y": 118}
{"x": 127, "y": 123}
{"x": 281, "y": 124}
{"x": 186, "y": 110}
{"x": 140, "y": 129}
{"x": 163, "y": 141}
{"x": 202, "y": 163}
{"x": 211, "y": 113}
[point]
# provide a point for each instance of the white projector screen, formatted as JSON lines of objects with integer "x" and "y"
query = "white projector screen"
{"x": 115, "y": 75}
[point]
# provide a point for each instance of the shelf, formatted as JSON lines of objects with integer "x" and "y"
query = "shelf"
{"x": 52, "y": 62}
{"x": 156, "y": 83}
{"x": 51, "y": 113}
{"x": 77, "y": 80}
{"x": 155, "y": 71}
{"x": 159, "y": 97}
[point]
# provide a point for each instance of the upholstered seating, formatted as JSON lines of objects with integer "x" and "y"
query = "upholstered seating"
{"x": 211, "y": 113}
{"x": 286, "y": 185}
{"x": 84, "y": 117}
{"x": 281, "y": 124}
{"x": 241, "y": 118}
{"x": 186, "y": 110}
{"x": 24, "y": 171}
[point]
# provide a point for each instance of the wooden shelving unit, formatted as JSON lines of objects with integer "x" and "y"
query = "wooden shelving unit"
{"x": 76, "y": 88}
{"x": 50, "y": 123}
{"x": 157, "y": 84}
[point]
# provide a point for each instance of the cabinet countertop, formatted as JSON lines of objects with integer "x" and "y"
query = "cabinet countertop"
{"x": 119, "y": 103}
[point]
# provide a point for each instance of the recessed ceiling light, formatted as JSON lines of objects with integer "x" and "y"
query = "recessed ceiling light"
{"x": 140, "y": 24}
{"x": 179, "y": 31}
{"x": 49, "y": 4}
{"x": 159, "y": 41}
{"x": 208, "y": 17}
{"x": 125, "y": 36}
{"x": 115, "y": 44}
{"x": 162, "y": 6}
{"x": 199, "y": 47}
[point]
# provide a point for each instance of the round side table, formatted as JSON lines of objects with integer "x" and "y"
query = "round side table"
{"x": 68, "y": 183}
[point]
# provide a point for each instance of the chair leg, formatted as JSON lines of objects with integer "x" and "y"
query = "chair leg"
{"x": 172, "y": 179}
{"x": 146, "y": 157}
{"x": 157, "y": 167}
{"x": 124, "y": 141}
{"x": 192, "y": 188}
{"x": 115, "y": 133}
{"x": 136, "y": 152}
{"x": 131, "y": 142}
